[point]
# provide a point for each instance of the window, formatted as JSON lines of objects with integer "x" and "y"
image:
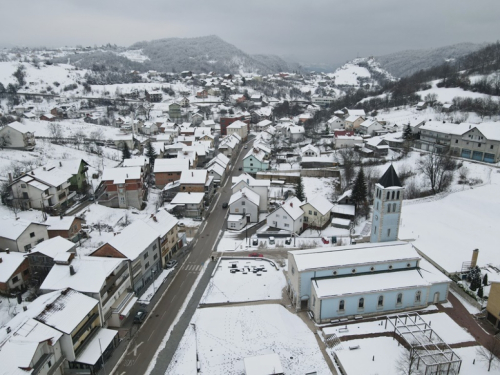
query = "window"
{"x": 380, "y": 301}
{"x": 388, "y": 195}
{"x": 374, "y": 230}
{"x": 27, "y": 247}
{"x": 23, "y": 186}
{"x": 315, "y": 213}
{"x": 146, "y": 266}
{"x": 341, "y": 305}
{"x": 408, "y": 265}
{"x": 310, "y": 212}
{"x": 287, "y": 225}
{"x": 394, "y": 207}
{"x": 388, "y": 232}
{"x": 393, "y": 194}
{"x": 26, "y": 272}
{"x": 397, "y": 197}
{"x": 353, "y": 270}
{"x": 236, "y": 210}
{"x": 242, "y": 203}
{"x": 418, "y": 295}
{"x": 15, "y": 279}
{"x": 479, "y": 145}
{"x": 251, "y": 164}
{"x": 491, "y": 147}
{"x": 334, "y": 272}
{"x": 377, "y": 206}
{"x": 456, "y": 140}
{"x": 155, "y": 256}
{"x": 399, "y": 299}
{"x": 32, "y": 234}
{"x": 361, "y": 303}
{"x": 285, "y": 217}
{"x": 146, "y": 255}
{"x": 154, "y": 247}
{"x": 372, "y": 269}
{"x": 314, "y": 301}
{"x": 40, "y": 240}
{"x": 388, "y": 208}
{"x": 390, "y": 266}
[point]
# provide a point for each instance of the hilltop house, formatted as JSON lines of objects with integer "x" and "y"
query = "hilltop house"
{"x": 17, "y": 136}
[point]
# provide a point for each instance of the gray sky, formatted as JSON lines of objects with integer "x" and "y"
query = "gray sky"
{"x": 330, "y": 31}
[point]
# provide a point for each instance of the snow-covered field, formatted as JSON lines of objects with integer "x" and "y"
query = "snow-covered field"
{"x": 244, "y": 285}
{"x": 448, "y": 229}
{"x": 224, "y": 336}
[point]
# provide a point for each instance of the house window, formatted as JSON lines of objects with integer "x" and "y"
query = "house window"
{"x": 393, "y": 194}
{"x": 26, "y": 272}
{"x": 372, "y": 269}
{"x": 388, "y": 208}
{"x": 361, "y": 303}
{"x": 399, "y": 299}
{"x": 146, "y": 266}
{"x": 154, "y": 247}
{"x": 15, "y": 279}
{"x": 397, "y": 197}
{"x": 310, "y": 212}
{"x": 315, "y": 213}
{"x": 353, "y": 270}
{"x": 388, "y": 232}
{"x": 155, "y": 256}
{"x": 380, "y": 301}
{"x": 388, "y": 195}
{"x": 418, "y": 296}
{"x": 394, "y": 207}
{"x": 314, "y": 301}
{"x": 456, "y": 140}
{"x": 146, "y": 255}
{"x": 287, "y": 225}
{"x": 479, "y": 145}
{"x": 491, "y": 147}
{"x": 377, "y": 206}
{"x": 236, "y": 210}
{"x": 32, "y": 234}
{"x": 374, "y": 230}
{"x": 40, "y": 240}
{"x": 27, "y": 247}
{"x": 341, "y": 305}
{"x": 243, "y": 203}
{"x": 23, "y": 186}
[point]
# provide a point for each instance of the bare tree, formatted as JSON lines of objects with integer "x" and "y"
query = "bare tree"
{"x": 79, "y": 137}
{"x": 347, "y": 158}
{"x": 55, "y": 131}
{"x": 438, "y": 168}
{"x": 490, "y": 353}
{"x": 407, "y": 363}
{"x": 463, "y": 173}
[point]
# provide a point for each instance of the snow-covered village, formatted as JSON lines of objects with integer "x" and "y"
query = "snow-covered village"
{"x": 242, "y": 214}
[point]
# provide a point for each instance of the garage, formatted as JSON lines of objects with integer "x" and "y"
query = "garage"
{"x": 477, "y": 155}
{"x": 489, "y": 158}
{"x": 466, "y": 153}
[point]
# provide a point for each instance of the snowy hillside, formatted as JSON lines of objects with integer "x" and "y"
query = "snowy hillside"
{"x": 361, "y": 71}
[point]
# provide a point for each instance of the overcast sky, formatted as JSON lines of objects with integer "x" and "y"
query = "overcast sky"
{"x": 330, "y": 31}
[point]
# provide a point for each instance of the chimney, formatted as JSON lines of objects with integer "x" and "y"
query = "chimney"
{"x": 44, "y": 168}
{"x": 154, "y": 219}
{"x": 127, "y": 175}
{"x": 25, "y": 308}
{"x": 60, "y": 163}
{"x": 61, "y": 216}
{"x": 7, "y": 251}
{"x": 8, "y": 329}
{"x": 291, "y": 204}
{"x": 71, "y": 270}
{"x": 475, "y": 254}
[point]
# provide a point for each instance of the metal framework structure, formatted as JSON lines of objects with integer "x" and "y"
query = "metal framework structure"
{"x": 430, "y": 350}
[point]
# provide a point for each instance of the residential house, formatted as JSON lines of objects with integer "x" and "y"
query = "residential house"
{"x": 369, "y": 127}
{"x": 184, "y": 102}
{"x": 121, "y": 139}
{"x": 203, "y": 94}
{"x": 47, "y": 253}
{"x": 186, "y": 129}
{"x": 323, "y": 101}
{"x": 260, "y": 187}
{"x": 141, "y": 161}
{"x": 190, "y": 155}
{"x": 421, "y": 106}
{"x": 375, "y": 146}
{"x": 188, "y": 204}
{"x": 436, "y": 136}
{"x": 415, "y": 125}
{"x": 14, "y": 273}
{"x": 154, "y": 96}
{"x": 106, "y": 279}
{"x": 477, "y": 142}
{"x": 317, "y": 212}
{"x": 141, "y": 251}
{"x": 228, "y": 145}
{"x": 121, "y": 188}
{"x": 45, "y": 188}
{"x": 311, "y": 151}
{"x": 169, "y": 170}
{"x": 256, "y": 160}
{"x": 68, "y": 227}
{"x": 174, "y": 112}
{"x": 21, "y": 235}
{"x": 362, "y": 280}
{"x": 217, "y": 171}
{"x": 353, "y": 122}
{"x": 48, "y": 117}
{"x": 344, "y": 141}
{"x": 238, "y": 127}
{"x": 289, "y": 216}
{"x": 262, "y": 125}
{"x": 197, "y": 118}
{"x": 17, "y": 136}
{"x": 78, "y": 170}
{"x": 167, "y": 227}
{"x": 296, "y": 133}
{"x": 149, "y": 128}
{"x": 228, "y": 120}
{"x": 208, "y": 124}
{"x": 335, "y": 123}
{"x": 244, "y": 204}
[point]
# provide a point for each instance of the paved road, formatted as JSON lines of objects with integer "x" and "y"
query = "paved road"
{"x": 147, "y": 340}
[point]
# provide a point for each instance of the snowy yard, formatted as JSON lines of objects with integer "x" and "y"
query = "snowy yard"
{"x": 244, "y": 285}
{"x": 448, "y": 229}
{"x": 224, "y": 336}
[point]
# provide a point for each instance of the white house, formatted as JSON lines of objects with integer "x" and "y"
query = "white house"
{"x": 343, "y": 141}
{"x": 261, "y": 187}
{"x": 311, "y": 151}
{"x": 262, "y": 125}
{"x": 335, "y": 123}
{"x": 21, "y": 235}
{"x": 17, "y": 136}
{"x": 317, "y": 212}
{"x": 245, "y": 202}
{"x": 368, "y": 127}
{"x": 238, "y": 127}
{"x": 296, "y": 133}
{"x": 289, "y": 216}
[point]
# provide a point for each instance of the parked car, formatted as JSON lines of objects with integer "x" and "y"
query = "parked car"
{"x": 224, "y": 205}
{"x": 246, "y": 147}
{"x": 171, "y": 263}
{"x": 325, "y": 240}
{"x": 240, "y": 168}
{"x": 271, "y": 241}
{"x": 255, "y": 255}
{"x": 288, "y": 241}
{"x": 140, "y": 316}
{"x": 255, "y": 241}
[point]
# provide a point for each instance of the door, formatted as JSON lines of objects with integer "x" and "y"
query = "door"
{"x": 436, "y": 297}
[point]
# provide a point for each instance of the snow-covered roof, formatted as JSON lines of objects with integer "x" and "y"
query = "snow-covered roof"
{"x": 321, "y": 204}
{"x": 296, "y": 129}
{"x": 237, "y": 125}
{"x": 370, "y": 283}
{"x": 356, "y": 112}
{"x": 368, "y": 123}
{"x": 334, "y": 119}
{"x": 265, "y": 364}
{"x": 51, "y": 175}
{"x": 216, "y": 168}
{"x": 339, "y": 221}
{"x": 257, "y": 153}
{"x": 292, "y": 207}
{"x": 491, "y": 130}
{"x": 312, "y": 148}
{"x": 140, "y": 161}
{"x": 444, "y": 127}
{"x": 21, "y": 128}
{"x": 12, "y": 229}
{"x": 134, "y": 239}
{"x": 171, "y": 165}
{"x": 120, "y": 175}
{"x": 188, "y": 198}
{"x": 352, "y": 118}
{"x": 10, "y": 263}
{"x": 208, "y": 122}
{"x": 67, "y": 311}
{"x": 245, "y": 193}
{"x": 344, "y": 209}
{"x": 53, "y": 246}
{"x": 162, "y": 222}
{"x": 264, "y": 123}
{"x": 92, "y": 352}
{"x": 352, "y": 255}
{"x": 90, "y": 274}
{"x": 223, "y": 158}
{"x": 198, "y": 176}
{"x": 59, "y": 223}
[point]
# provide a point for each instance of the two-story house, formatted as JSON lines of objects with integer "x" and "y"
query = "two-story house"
{"x": 188, "y": 204}
{"x": 256, "y": 160}
{"x": 17, "y": 136}
{"x": 121, "y": 187}
{"x": 65, "y": 226}
{"x": 477, "y": 142}
{"x": 14, "y": 272}
{"x": 139, "y": 244}
{"x": 261, "y": 187}
{"x": 289, "y": 216}
{"x": 174, "y": 112}
{"x": 317, "y": 212}
{"x": 21, "y": 235}
{"x": 193, "y": 181}
{"x": 169, "y": 170}
{"x": 238, "y": 127}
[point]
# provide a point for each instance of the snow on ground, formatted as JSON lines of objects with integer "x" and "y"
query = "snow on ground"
{"x": 448, "y": 229}
{"x": 348, "y": 74}
{"x": 245, "y": 285}
{"x": 446, "y": 95}
{"x": 149, "y": 293}
{"x": 226, "y": 335}
{"x": 10, "y": 308}
{"x": 69, "y": 128}
{"x": 318, "y": 185}
{"x": 135, "y": 55}
{"x": 473, "y": 363}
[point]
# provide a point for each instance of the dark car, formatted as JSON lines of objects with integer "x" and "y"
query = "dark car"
{"x": 224, "y": 205}
{"x": 255, "y": 241}
{"x": 288, "y": 241}
{"x": 140, "y": 316}
{"x": 240, "y": 168}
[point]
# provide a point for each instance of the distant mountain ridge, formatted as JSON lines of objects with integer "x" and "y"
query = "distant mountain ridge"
{"x": 405, "y": 63}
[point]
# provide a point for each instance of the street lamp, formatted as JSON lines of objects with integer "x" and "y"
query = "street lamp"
{"x": 153, "y": 272}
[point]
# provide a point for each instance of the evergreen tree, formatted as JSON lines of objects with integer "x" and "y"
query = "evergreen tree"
{"x": 359, "y": 191}
{"x": 485, "y": 279}
{"x": 151, "y": 154}
{"x": 299, "y": 191}
{"x": 125, "y": 152}
{"x": 480, "y": 293}
{"x": 407, "y": 133}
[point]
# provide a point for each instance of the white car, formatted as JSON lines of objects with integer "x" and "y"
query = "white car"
{"x": 171, "y": 263}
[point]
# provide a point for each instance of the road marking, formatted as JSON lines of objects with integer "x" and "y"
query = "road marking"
{"x": 135, "y": 349}
{"x": 204, "y": 225}
{"x": 151, "y": 335}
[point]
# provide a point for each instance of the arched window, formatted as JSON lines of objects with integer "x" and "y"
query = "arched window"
{"x": 361, "y": 303}
{"x": 388, "y": 208}
{"x": 394, "y": 207}
{"x": 418, "y": 296}
{"x": 397, "y": 197}
{"x": 393, "y": 194}
{"x": 388, "y": 195}
{"x": 380, "y": 301}
{"x": 399, "y": 300}
{"x": 341, "y": 305}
